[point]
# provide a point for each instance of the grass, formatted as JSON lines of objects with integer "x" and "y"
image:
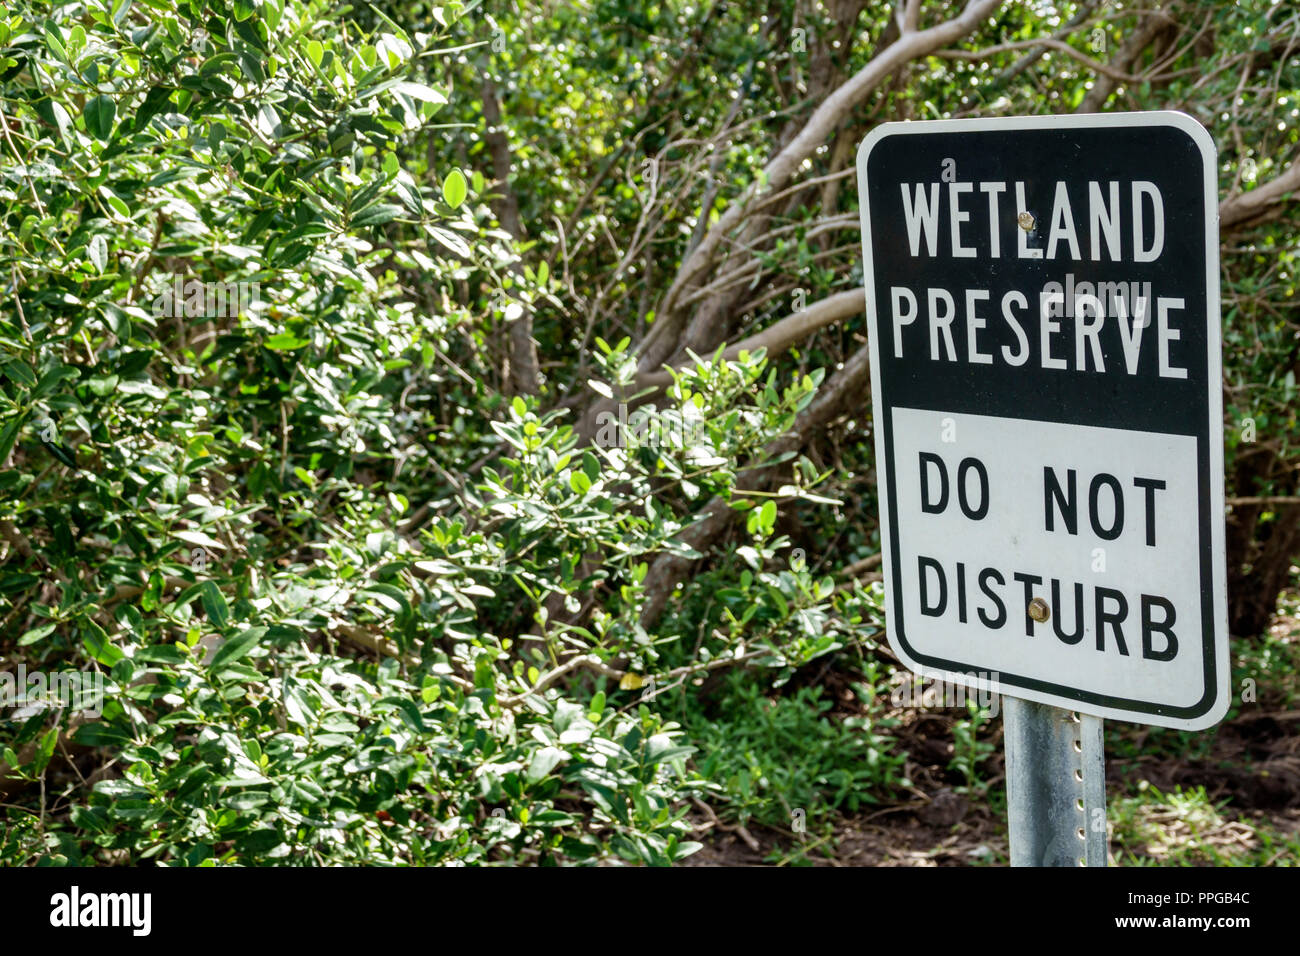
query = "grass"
{"x": 1186, "y": 828}
{"x": 786, "y": 762}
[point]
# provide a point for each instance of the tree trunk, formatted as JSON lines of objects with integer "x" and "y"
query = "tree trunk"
{"x": 1262, "y": 542}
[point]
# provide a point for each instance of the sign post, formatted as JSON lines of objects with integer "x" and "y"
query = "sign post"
{"x": 1043, "y": 305}
{"x": 1056, "y": 785}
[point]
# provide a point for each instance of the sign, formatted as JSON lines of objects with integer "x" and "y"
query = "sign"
{"x": 1043, "y": 301}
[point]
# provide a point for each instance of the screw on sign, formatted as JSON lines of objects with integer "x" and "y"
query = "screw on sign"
{"x": 1043, "y": 303}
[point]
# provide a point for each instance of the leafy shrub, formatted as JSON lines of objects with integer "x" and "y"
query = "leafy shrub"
{"x": 327, "y": 635}
{"x": 773, "y": 756}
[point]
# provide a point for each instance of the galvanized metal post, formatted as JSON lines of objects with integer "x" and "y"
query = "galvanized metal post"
{"x": 1056, "y": 785}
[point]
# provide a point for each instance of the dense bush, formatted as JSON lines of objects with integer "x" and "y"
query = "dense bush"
{"x": 372, "y": 417}
{"x": 216, "y": 504}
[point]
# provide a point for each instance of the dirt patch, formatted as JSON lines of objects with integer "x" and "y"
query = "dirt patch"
{"x": 1253, "y": 764}
{"x": 892, "y": 836}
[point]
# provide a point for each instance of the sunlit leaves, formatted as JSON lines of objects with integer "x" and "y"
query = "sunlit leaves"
{"x": 454, "y": 188}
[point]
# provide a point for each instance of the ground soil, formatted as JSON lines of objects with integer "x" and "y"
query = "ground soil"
{"x": 1250, "y": 769}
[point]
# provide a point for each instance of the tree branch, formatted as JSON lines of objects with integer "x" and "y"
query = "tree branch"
{"x": 785, "y": 333}
{"x": 524, "y": 368}
{"x": 1096, "y": 65}
{"x": 832, "y": 398}
{"x": 823, "y": 122}
{"x": 1155, "y": 23}
{"x": 1240, "y": 210}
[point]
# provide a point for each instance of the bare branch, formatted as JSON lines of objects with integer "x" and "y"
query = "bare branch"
{"x": 831, "y": 400}
{"x": 1098, "y": 66}
{"x": 524, "y": 369}
{"x": 1151, "y": 26}
{"x": 824, "y": 120}
{"x": 1239, "y": 210}
{"x": 779, "y": 337}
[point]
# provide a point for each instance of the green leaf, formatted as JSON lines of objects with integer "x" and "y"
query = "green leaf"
{"x": 100, "y": 112}
{"x": 454, "y": 188}
{"x": 97, "y": 644}
{"x": 235, "y": 648}
{"x": 155, "y": 101}
{"x": 36, "y": 634}
{"x": 544, "y": 761}
{"x": 97, "y": 253}
{"x": 161, "y": 654}
{"x": 449, "y": 240}
{"x": 53, "y": 40}
{"x": 50, "y": 380}
{"x": 20, "y": 372}
{"x": 9, "y": 434}
{"x": 214, "y": 604}
{"x": 200, "y": 538}
{"x": 273, "y": 11}
{"x": 285, "y": 342}
{"x": 10, "y": 583}
{"x": 377, "y": 215}
{"x": 62, "y": 453}
{"x": 409, "y": 711}
{"x": 418, "y": 91}
{"x": 46, "y": 750}
{"x": 389, "y": 597}
{"x": 100, "y": 735}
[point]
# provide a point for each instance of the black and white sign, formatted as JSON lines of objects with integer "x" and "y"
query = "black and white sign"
{"x": 1043, "y": 301}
